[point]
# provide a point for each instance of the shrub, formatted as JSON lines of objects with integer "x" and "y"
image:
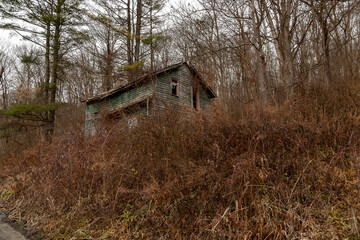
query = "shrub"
{"x": 280, "y": 174}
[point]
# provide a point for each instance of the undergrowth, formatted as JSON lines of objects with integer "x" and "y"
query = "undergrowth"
{"x": 291, "y": 172}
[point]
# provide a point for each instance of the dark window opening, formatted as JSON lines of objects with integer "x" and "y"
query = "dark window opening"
{"x": 174, "y": 87}
{"x": 195, "y": 99}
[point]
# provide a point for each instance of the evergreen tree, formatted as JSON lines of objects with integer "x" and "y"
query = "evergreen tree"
{"x": 52, "y": 25}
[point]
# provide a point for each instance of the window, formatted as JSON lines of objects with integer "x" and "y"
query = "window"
{"x": 196, "y": 100}
{"x": 174, "y": 87}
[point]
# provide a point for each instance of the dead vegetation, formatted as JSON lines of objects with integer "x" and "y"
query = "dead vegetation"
{"x": 288, "y": 172}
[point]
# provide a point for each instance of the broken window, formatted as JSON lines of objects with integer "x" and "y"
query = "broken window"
{"x": 174, "y": 87}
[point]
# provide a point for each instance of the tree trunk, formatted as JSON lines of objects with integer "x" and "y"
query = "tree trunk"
{"x": 55, "y": 64}
{"x": 325, "y": 46}
{"x": 129, "y": 35}
{"x": 282, "y": 40}
{"x": 108, "y": 63}
{"x": 260, "y": 56}
{"x": 151, "y": 39}
{"x": 138, "y": 30}
{"x": 3, "y": 86}
{"x": 47, "y": 63}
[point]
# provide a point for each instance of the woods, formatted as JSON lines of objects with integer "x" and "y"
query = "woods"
{"x": 276, "y": 155}
{"x": 250, "y": 50}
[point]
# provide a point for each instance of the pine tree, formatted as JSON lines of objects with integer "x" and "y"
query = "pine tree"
{"x": 53, "y": 26}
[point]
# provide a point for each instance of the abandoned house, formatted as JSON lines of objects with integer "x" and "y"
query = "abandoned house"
{"x": 176, "y": 85}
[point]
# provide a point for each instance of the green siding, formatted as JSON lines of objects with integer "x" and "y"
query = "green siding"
{"x": 161, "y": 97}
{"x": 123, "y": 98}
{"x": 119, "y": 100}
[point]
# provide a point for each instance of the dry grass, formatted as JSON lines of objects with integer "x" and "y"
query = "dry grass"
{"x": 290, "y": 172}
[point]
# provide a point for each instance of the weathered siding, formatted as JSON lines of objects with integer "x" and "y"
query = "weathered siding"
{"x": 205, "y": 98}
{"x": 98, "y": 109}
{"x": 120, "y": 100}
{"x": 158, "y": 91}
{"x": 164, "y": 98}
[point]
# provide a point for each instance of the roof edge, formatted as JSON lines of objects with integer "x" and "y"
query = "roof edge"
{"x": 138, "y": 80}
{"x": 143, "y": 78}
{"x": 193, "y": 69}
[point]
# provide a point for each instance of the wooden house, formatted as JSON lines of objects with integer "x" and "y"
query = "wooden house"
{"x": 176, "y": 85}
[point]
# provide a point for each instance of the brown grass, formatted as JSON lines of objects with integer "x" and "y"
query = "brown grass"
{"x": 290, "y": 172}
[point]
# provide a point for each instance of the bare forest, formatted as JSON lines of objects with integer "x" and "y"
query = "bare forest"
{"x": 275, "y": 156}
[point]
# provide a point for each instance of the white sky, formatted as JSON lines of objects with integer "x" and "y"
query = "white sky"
{"x": 9, "y": 38}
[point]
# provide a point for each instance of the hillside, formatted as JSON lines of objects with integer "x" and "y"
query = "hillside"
{"x": 181, "y": 119}
{"x": 284, "y": 174}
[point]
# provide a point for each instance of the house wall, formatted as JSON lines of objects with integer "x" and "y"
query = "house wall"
{"x": 98, "y": 109}
{"x": 163, "y": 97}
{"x": 205, "y": 98}
{"x": 158, "y": 91}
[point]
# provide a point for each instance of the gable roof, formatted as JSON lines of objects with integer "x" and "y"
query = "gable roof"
{"x": 146, "y": 78}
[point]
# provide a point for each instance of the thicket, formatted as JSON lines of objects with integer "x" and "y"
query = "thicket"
{"x": 285, "y": 172}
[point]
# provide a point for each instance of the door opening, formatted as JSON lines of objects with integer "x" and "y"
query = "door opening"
{"x": 196, "y": 99}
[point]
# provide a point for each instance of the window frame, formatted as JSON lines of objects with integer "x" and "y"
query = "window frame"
{"x": 174, "y": 82}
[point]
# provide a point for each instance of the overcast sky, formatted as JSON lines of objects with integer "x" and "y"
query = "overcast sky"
{"x": 9, "y": 38}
